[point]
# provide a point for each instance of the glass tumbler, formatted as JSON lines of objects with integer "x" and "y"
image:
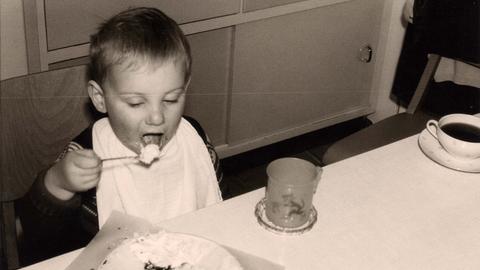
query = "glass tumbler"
{"x": 290, "y": 188}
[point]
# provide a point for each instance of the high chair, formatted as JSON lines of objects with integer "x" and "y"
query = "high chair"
{"x": 39, "y": 114}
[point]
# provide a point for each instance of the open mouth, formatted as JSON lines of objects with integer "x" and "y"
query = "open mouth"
{"x": 153, "y": 138}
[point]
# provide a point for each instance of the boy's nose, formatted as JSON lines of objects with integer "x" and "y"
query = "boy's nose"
{"x": 156, "y": 117}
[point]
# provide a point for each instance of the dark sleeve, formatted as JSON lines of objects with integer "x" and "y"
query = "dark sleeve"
{"x": 51, "y": 226}
{"x": 224, "y": 188}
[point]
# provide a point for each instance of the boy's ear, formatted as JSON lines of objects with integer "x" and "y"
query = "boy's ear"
{"x": 97, "y": 96}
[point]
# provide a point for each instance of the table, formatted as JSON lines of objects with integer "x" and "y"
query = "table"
{"x": 390, "y": 208}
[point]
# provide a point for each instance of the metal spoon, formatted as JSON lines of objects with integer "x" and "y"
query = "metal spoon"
{"x": 118, "y": 158}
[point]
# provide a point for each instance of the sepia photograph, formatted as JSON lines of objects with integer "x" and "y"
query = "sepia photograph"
{"x": 239, "y": 134}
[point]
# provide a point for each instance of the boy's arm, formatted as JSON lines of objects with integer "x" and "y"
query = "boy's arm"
{"x": 47, "y": 221}
{"x": 44, "y": 201}
{"x": 50, "y": 226}
{"x": 41, "y": 213}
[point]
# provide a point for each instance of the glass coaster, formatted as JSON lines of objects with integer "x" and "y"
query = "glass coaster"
{"x": 268, "y": 225}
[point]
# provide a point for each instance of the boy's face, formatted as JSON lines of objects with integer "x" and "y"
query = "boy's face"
{"x": 144, "y": 105}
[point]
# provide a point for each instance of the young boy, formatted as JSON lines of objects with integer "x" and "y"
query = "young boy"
{"x": 140, "y": 66}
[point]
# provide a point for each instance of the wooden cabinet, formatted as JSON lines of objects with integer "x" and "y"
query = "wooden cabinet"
{"x": 302, "y": 68}
{"x": 263, "y": 71}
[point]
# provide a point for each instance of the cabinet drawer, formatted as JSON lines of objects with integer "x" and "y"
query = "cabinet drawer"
{"x": 250, "y": 5}
{"x": 71, "y": 22}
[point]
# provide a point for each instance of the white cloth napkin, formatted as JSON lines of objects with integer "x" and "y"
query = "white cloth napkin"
{"x": 181, "y": 181}
{"x": 457, "y": 72}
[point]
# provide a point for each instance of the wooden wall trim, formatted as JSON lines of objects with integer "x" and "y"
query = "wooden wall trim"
{"x": 35, "y": 35}
{"x": 42, "y": 33}
{"x": 31, "y": 35}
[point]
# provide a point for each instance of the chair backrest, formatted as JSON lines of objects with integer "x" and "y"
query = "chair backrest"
{"x": 39, "y": 114}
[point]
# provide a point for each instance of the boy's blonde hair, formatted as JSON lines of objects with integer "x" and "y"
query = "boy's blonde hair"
{"x": 136, "y": 37}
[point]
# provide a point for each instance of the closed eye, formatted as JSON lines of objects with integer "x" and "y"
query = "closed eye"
{"x": 135, "y": 105}
{"x": 170, "y": 100}
{"x": 174, "y": 97}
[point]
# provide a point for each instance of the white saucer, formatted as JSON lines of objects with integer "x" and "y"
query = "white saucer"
{"x": 432, "y": 149}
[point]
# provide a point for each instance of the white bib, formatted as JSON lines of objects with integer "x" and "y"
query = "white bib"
{"x": 181, "y": 181}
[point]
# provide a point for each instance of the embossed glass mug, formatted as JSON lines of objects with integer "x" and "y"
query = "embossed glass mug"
{"x": 290, "y": 188}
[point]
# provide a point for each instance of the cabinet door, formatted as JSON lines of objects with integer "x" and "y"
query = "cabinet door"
{"x": 207, "y": 93}
{"x": 302, "y": 68}
{"x": 70, "y": 22}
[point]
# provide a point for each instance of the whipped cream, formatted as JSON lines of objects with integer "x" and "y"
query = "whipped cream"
{"x": 155, "y": 251}
{"x": 149, "y": 153}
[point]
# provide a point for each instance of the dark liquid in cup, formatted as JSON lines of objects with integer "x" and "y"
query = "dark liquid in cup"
{"x": 462, "y": 132}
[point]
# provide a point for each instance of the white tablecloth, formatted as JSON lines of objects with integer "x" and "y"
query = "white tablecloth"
{"x": 390, "y": 208}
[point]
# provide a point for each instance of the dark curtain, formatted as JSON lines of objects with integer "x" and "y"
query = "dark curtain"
{"x": 450, "y": 28}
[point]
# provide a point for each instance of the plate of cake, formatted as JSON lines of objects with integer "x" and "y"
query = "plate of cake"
{"x": 168, "y": 251}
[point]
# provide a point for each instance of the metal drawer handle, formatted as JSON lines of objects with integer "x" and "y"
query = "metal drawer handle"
{"x": 365, "y": 54}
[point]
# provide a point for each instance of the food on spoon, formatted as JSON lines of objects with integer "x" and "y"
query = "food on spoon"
{"x": 168, "y": 251}
{"x": 149, "y": 153}
{"x": 150, "y": 149}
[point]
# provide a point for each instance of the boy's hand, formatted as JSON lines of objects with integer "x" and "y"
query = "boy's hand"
{"x": 78, "y": 171}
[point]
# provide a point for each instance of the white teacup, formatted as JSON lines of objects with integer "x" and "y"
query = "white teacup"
{"x": 458, "y": 133}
